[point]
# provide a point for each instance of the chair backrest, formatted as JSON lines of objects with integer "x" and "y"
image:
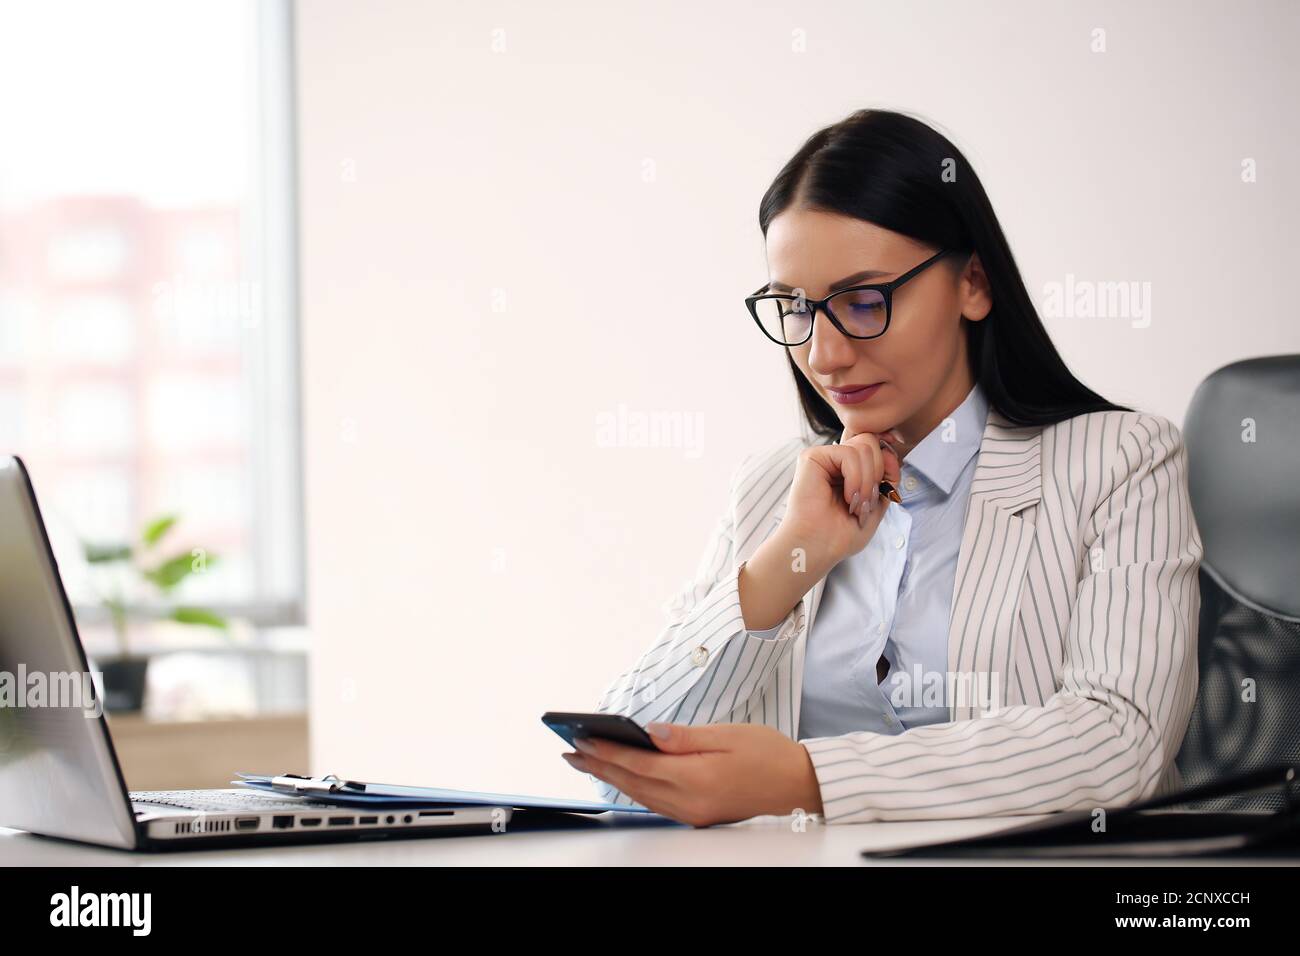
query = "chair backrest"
{"x": 1242, "y": 434}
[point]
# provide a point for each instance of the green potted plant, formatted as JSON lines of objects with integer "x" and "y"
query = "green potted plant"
{"x": 139, "y": 566}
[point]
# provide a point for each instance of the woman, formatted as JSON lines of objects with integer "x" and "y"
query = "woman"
{"x": 1010, "y": 628}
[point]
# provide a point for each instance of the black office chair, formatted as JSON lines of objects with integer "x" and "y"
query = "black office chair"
{"x": 1246, "y": 497}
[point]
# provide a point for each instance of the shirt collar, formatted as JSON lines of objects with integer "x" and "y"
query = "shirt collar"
{"x": 940, "y": 461}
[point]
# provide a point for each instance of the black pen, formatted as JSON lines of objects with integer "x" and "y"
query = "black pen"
{"x": 886, "y": 486}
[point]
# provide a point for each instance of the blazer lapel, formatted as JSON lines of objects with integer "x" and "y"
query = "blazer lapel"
{"x": 991, "y": 565}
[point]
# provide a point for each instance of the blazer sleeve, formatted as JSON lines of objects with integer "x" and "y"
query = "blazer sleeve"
{"x": 1124, "y": 697}
{"x": 703, "y": 666}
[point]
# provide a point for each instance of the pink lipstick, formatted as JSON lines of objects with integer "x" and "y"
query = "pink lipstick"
{"x": 853, "y": 394}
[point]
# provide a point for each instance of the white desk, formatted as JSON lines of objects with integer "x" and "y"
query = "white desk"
{"x": 772, "y": 842}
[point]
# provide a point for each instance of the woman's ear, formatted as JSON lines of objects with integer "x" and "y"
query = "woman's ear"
{"x": 973, "y": 291}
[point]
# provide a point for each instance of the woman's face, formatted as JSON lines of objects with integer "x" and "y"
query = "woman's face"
{"x": 920, "y": 362}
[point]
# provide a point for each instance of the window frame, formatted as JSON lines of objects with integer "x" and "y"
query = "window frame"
{"x": 271, "y": 237}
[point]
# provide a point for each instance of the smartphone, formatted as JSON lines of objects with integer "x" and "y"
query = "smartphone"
{"x": 615, "y": 727}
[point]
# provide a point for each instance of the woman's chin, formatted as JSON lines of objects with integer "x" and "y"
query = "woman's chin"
{"x": 870, "y": 416}
{"x": 876, "y": 424}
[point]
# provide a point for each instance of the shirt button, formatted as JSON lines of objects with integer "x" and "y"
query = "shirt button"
{"x": 880, "y": 628}
{"x": 899, "y": 542}
{"x": 700, "y": 656}
{"x": 909, "y": 483}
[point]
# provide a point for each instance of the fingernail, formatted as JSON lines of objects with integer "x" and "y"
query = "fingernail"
{"x": 853, "y": 505}
{"x": 659, "y": 730}
{"x": 584, "y": 745}
{"x": 862, "y": 517}
{"x": 575, "y": 761}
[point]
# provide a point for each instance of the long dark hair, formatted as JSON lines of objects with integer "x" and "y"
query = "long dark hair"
{"x": 893, "y": 170}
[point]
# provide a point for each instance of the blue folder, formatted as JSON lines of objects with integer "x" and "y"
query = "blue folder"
{"x": 356, "y": 793}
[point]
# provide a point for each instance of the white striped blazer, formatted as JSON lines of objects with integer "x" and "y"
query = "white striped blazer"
{"x": 1076, "y": 598}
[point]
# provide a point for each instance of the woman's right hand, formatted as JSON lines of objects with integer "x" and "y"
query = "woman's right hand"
{"x": 835, "y": 503}
{"x": 833, "y": 509}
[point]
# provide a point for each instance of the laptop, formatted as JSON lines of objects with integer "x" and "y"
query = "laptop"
{"x": 59, "y": 773}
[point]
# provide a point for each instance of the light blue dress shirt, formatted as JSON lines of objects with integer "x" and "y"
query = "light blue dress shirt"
{"x": 894, "y": 597}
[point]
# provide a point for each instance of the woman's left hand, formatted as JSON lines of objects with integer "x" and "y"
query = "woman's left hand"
{"x": 709, "y": 773}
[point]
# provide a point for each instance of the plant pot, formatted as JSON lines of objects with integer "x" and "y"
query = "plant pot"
{"x": 124, "y": 683}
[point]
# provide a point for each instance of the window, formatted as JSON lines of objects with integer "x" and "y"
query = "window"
{"x": 148, "y": 355}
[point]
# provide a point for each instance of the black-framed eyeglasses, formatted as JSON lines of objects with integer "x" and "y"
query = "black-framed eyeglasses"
{"x": 864, "y": 310}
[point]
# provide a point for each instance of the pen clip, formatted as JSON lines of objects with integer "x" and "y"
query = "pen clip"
{"x": 297, "y": 783}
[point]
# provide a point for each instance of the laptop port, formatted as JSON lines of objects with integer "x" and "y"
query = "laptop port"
{"x": 342, "y": 821}
{"x": 369, "y": 821}
{"x": 282, "y": 823}
{"x": 310, "y": 821}
{"x": 246, "y": 823}
{"x": 436, "y": 813}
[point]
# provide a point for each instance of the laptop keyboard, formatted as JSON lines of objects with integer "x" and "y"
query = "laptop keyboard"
{"x": 218, "y": 801}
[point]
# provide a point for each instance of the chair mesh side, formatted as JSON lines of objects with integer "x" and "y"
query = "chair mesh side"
{"x": 1243, "y": 652}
